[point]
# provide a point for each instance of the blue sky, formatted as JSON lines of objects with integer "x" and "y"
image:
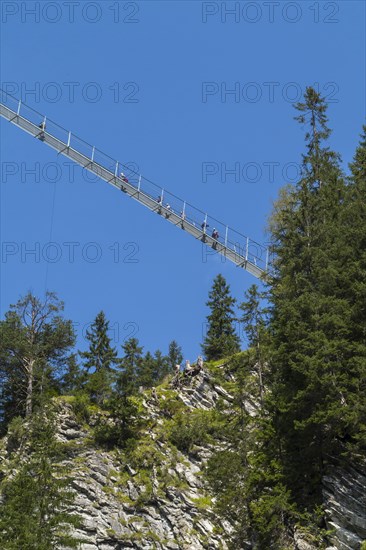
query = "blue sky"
{"x": 171, "y": 87}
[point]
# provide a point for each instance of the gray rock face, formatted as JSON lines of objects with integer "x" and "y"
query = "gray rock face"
{"x": 121, "y": 508}
{"x": 345, "y": 506}
{"x": 163, "y": 504}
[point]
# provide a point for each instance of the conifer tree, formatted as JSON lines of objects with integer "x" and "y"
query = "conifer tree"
{"x": 255, "y": 321}
{"x": 354, "y": 254}
{"x": 35, "y": 343}
{"x": 162, "y": 366}
{"x": 310, "y": 316}
{"x": 175, "y": 354}
{"x": 35, "y": 500}
{"x": 152, "y": 369}
{"x": 126, "y": 386}
{"x": 100, "y": 357}
{"x": 129, "y": 367}
{"x": 146, "y": 373}
{"x": 73, "y": 378}
{"x": 221, "y": 339}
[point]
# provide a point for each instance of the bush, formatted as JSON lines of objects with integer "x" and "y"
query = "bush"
{"x": 81, "y": 407}
{"x": 196, "y": 428}
{"x": 16, "y": 433}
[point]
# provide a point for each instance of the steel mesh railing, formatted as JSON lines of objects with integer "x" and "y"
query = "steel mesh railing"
{"x": 243, "y": 246}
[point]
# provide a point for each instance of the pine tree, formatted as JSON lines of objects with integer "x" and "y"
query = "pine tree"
{"x": 175, "y": 354}
{"x": 129, "y": 367}
{"x": 121, "y": 405}
{"x": 73, "y": 378}
{"x": 245, "y": 472}
{"x": 221, "y": 339}
{"x": 310, "y": 322}
{"x": 255, "y": 321}
{"x": 35, "y": 343}
{"x": 162, "y": 367}
{"x": 100, "y": 357}
{"x": 35, "y": 500}
{"x": 146, "y": 373}
{"x": 354, "y": 248}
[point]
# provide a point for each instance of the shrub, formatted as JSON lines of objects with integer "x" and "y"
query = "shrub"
{"x": 196, "y": 428}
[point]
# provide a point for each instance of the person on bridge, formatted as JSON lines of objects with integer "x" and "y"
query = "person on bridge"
{"x": 204, "y": 226}
{"x": 215, "y": 235}
{"x": 42, "y": 126}
{"x": 123, "y": 177}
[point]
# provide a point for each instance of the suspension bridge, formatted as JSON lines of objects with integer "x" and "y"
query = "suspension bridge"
{"x": 236, "y": 247}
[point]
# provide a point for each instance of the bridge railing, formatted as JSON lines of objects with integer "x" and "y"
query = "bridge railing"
{"x": 240, "y": 244}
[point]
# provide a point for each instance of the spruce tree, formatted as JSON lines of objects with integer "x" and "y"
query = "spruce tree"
{"x": 162, "y": 367}
{"x": 221, "y": 339}
{"x": 129, "y": 367}
{"x": 100, "y": 357}
{"x": 255, "y": 321}
{"x": 36, "y": 498}
{"x": 354, "y": 248}
{"x": 310, "y": 321}
{"x": 73, "y": 378}
{"x": 146, "y": 372}
{"x": 175, "y": 354}
{"x": 127, "y": 382}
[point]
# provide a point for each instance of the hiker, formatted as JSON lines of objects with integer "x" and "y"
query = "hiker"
{"x": 42, "y": 126}
{"x": 123, "y": 177}
{"x": 200, "y": 362}
{"x": 204, "y": 226}
{"x": 215, "y": 235}
{"x": 159, "y": 200}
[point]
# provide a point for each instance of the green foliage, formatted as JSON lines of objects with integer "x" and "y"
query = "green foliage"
{"x": 120, "y": 427}
{"x": 36, "y": 497}
{"x": 221, "y": 339}
{"x": 193, "y": 428}
{"x": 17, "y": 433}
{"x": 82, "y": 407}
{"x": 170, "y": 403}
{"x": 72, "y": 378}
{"x": 100, "y": 357}
{"x": 316, "y": 366}
{"x": 145, "y": 455}
{"x": 175, "y": 354}
{"x": 203, "y": 503}
{"x": 34, "y": 347}
{"x": 255, "y": 321}
{"x": 152, "y": 369}
{"x": 129, "y": 367}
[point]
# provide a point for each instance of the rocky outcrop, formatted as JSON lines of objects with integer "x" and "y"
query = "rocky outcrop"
{"x": 162, "y": 505}
{"x": 345, "y": 506}
{"x": 155, "y": 497}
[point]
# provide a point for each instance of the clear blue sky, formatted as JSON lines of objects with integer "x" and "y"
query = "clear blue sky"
{"x": 149, "y": 83}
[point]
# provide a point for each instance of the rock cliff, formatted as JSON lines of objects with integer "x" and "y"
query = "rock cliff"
{"x": 159, "y": 503}
{"x": 155, "y": 497}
